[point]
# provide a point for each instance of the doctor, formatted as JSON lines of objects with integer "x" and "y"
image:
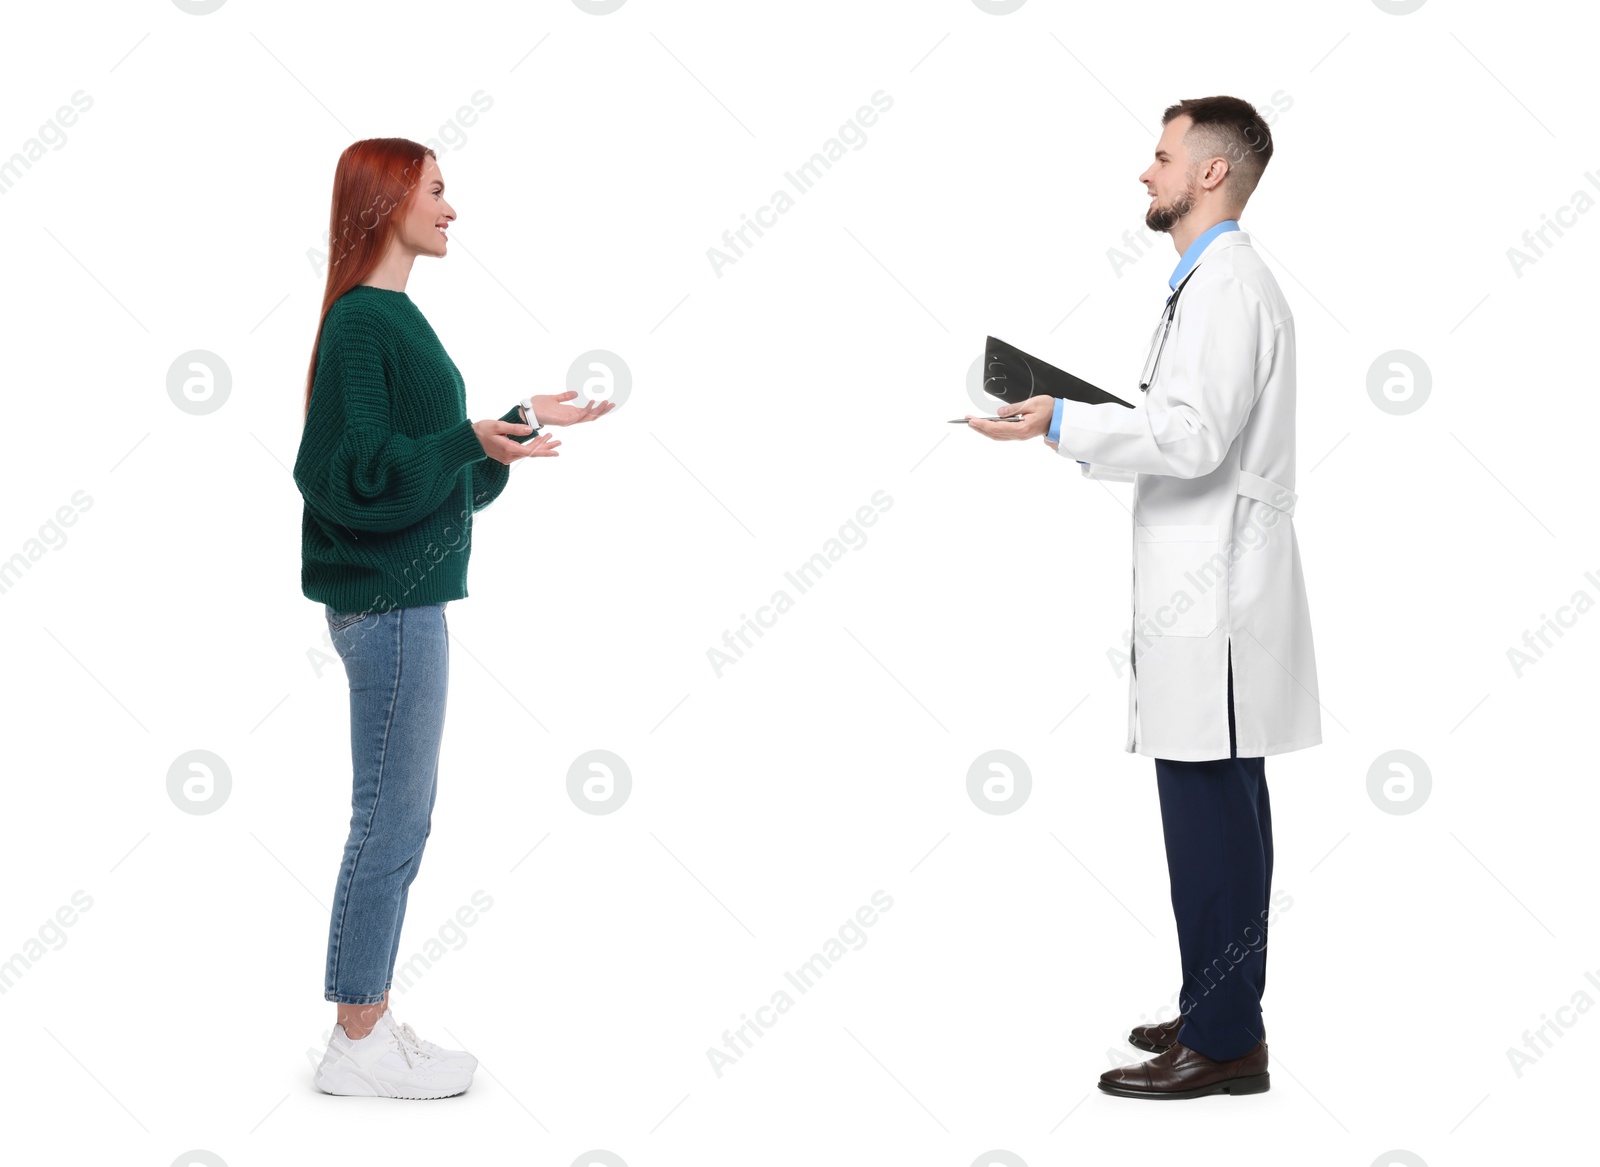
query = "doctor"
{"x": 1220, "y": 660}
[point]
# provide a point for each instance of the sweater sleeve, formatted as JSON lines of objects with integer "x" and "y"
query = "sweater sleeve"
{"x": 490, "y": 476}
{"x": 352, "y": 467}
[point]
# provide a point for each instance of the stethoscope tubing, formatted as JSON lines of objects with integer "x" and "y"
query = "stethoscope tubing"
{"x": 1148, "y": 379}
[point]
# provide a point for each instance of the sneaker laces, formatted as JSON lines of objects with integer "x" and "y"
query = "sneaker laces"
{"x": 406, "y": 1041}
{"x": 411, "y": 1034}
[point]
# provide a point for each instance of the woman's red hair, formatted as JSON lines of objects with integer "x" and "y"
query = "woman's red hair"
{"x": 372, "y": 185}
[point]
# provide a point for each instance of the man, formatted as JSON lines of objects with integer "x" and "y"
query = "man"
{"x": 1220, "y": 653}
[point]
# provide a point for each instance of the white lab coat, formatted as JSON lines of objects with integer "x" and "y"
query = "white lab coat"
{"x": 1210, "y": 450}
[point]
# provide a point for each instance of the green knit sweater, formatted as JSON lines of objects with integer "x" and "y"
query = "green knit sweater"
{"x": 389, "y": 466}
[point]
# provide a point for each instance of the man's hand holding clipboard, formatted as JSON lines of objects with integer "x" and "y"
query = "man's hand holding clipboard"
{"x": 1029, "y": 387}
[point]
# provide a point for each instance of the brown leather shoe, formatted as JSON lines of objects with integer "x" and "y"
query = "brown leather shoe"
{"x": 1158, "y": 1039}
{"x": 1185, "y": 1073}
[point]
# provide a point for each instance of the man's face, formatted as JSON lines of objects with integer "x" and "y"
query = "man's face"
{"x": 1173, "y": 192}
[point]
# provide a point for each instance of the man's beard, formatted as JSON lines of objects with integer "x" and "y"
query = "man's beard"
{"x": 1159, "y": 218}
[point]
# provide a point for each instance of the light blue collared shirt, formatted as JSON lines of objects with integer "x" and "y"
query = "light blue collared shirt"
{"x": 1192, "y": 252}
{"x": 1191, "y": 255}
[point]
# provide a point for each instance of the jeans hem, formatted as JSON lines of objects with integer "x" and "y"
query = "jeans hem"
{"x": 349, "y": 1000}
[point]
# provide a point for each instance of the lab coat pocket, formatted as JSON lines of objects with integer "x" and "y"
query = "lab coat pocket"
{"x": 1180, "y": 572}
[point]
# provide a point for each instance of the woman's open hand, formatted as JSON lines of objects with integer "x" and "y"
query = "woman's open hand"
{"x": 491, "y": 436}
{"x": 552, "y": 409}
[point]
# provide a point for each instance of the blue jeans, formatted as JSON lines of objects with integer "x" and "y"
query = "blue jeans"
{"x": 398, "y": 664}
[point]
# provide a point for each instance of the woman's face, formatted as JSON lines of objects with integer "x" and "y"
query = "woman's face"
{"x": 422, "y": 229}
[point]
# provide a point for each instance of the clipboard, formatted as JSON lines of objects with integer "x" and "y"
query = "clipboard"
{"x": 1014, "y": 376}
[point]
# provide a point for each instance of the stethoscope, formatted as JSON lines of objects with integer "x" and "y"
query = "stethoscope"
{"x": 1148, "y": 378}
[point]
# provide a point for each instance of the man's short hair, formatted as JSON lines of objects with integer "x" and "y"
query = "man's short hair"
{"x": 1226, "y": 127}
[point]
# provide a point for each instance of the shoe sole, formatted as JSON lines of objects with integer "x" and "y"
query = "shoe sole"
{"x": 1250, "y": 1084}
{"x": 354, "y": 1084}
{"x": 366, "y": 1092}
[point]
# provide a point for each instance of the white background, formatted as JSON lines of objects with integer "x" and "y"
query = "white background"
{"x": 184, "y": 210}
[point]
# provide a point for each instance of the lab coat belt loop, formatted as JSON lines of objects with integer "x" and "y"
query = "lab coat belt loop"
{"x": 1267, "y": 491}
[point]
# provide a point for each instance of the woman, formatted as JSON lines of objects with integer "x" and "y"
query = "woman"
{"x": 392, "y": 472}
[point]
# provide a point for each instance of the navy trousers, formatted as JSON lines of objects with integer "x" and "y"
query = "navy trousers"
{"x": 1217, "y": 824}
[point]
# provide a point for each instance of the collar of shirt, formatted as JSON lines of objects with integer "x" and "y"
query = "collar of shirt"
{"x": 1192, "y": 252}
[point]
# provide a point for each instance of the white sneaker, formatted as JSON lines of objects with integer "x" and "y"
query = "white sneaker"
{"x": 459, "y": 1056}
{"x": 387, "y": 1063}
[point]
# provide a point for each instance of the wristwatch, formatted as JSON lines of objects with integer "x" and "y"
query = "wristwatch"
{"x": 529, "y": 417}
